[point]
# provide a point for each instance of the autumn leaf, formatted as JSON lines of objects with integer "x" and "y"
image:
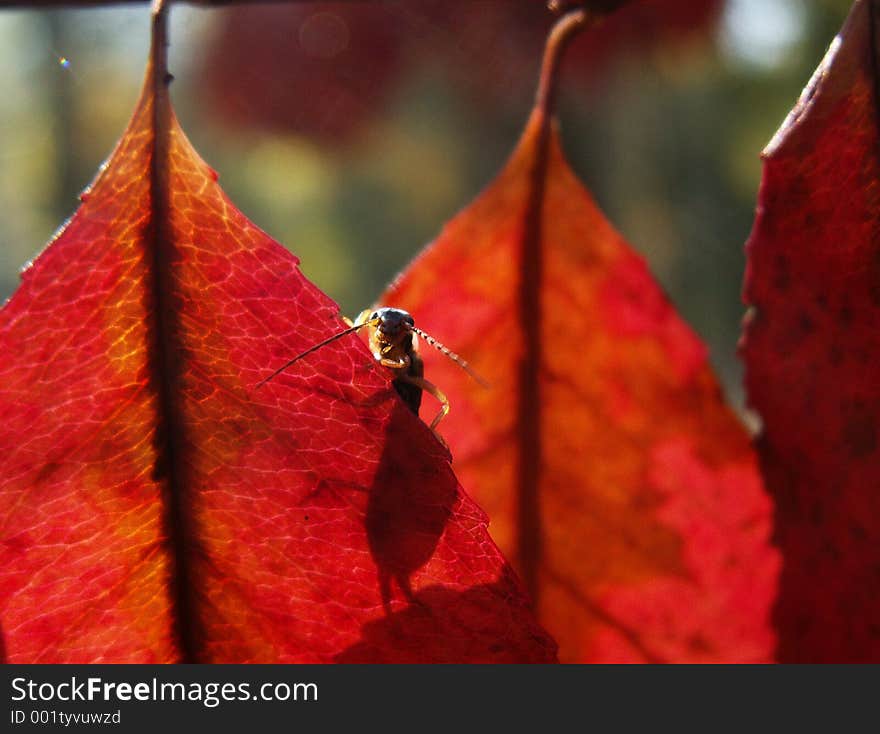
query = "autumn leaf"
{"x": 811, "y": 350}
{"x": 623, "y": 489}
{"x": 347, "y": 58}
{"x": 317, "y": 68}
{"x": 156, "y": 506}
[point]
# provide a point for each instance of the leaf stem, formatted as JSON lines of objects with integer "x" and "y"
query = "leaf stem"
{"x": 159, "y": 47}
{"x": 566, "y": 28}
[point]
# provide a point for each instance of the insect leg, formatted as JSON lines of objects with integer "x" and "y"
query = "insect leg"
{"x": 431, "y": 388}
{"x": 397, "y": 364}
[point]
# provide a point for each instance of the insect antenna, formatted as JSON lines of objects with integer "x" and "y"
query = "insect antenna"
{"x": 314, "y": 348}
{"x": 449, "y": 353}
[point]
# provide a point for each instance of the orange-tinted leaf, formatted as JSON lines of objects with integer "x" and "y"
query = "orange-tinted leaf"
{"x": 614, "y": 477}
{"x": 812, "y": 350}
{"x": 156, "y": 507}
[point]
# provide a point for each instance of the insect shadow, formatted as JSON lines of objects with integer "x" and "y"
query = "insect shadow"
{"x": 409, "y": 504}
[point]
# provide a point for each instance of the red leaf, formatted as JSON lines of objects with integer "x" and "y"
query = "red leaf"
{"x": 624, "y": 490}
{"x": 344, "y": 58}
{"x": 811, "y": 349}
{"x": 316, "y": 68}
{"x": 156, "y": 507}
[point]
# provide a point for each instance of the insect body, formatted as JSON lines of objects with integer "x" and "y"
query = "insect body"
{"x": 394, "y": 344}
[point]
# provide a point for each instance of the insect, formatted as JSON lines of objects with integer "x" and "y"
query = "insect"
{"x": 393, "y": 342}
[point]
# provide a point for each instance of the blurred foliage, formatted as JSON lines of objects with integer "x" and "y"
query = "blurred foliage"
{"x": 668, "y": 142}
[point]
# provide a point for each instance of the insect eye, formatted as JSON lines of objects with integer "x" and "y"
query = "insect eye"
{"x": 410, "y": 320}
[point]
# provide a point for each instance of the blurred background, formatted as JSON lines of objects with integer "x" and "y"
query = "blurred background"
{"x": 351, "y": 132}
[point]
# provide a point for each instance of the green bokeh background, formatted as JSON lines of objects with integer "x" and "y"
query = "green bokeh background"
{"x": 670, "y": 148}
